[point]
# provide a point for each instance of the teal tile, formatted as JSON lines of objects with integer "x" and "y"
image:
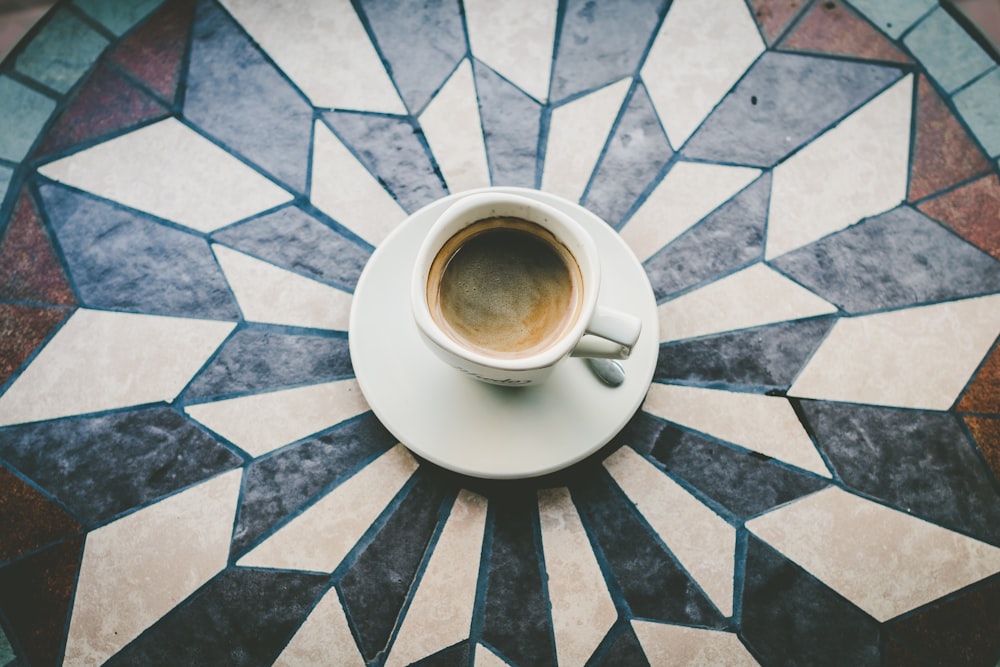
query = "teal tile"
{"x": 24, "y": 113}
{"x": 62, "y": 52}
{"x": 950, "y": 55}
{"x": 979, "y": 105}
{"x": 6, "y": 173}
{"x": 893, "y": 17}
{"x": 6, "y": 650}
{"x": 117, "y": 15}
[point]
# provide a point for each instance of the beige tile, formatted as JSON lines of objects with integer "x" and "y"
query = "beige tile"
{"x": 751, "y": 297}
{"x": 578, "y": 131}
{"x": 319, "y": 538}
{"x": 916, "y": 357}
{"x": 486, "y": 658}
{"x": 170, "y": 171}
{"x": 141, "y": 566}
{"x": 441, "y": 611}
{"x": 689, "y": 192}
{"x": 698, "y": 537}
{"x": 679, "y": 646}
{"x": 345, "y": 190}
{"x": 765, "y": 424}
{"x": 267, "y": 293}
{"x": 260, "y": 423}
{"x": 515, "y": 38}
{"x": 702, "y": 49}
{"x": 323, "y": 639}
{"x": 855, "y": 170}
{"x": 582, "y": 609}
{"x": 103, "y": 360}
{"x": 884, "y": 561}
{"x": 321, "y": 31}
{"x": 454, "y": 132}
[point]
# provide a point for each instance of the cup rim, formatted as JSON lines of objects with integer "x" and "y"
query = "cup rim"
{"x": 475, "y": 207}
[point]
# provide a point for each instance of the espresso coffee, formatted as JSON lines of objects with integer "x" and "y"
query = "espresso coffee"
{"x": 505, "y": 287}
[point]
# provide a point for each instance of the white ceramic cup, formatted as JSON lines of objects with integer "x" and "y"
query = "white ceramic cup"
{"x": 596, "y": 330}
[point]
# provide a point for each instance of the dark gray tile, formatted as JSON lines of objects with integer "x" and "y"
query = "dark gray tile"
{"x": 651, "y": 583}
{"x": 624, "y": 650}
{"x": 783, "y": 101}
{"x": 920, "y": 462}
{"x": 297, "y": 241}
{"x": 258, "y": 359}
{"x": 285, "y": 482}
{"x": 242, "y": 617}
{"x": 236, "y": 95}
{"x": 899, "y": 258}
{"x": 511, "y": 125}
{"x": 637, "y": 150}
{"x": 745, "y": 483}
{"x": 421, "y": 41}
{"x": 790, "y": 618}
{"x": 99, "y": 467}
{"x": 393, "y": 149}
{"x": 375, "y": 586}
{"x": 727, "y": 239}
{"x": 122, "y": 259}
{"x": 601, "y": 42}
{"x": 453, "y": 656}
{"x": 762, "y": 358}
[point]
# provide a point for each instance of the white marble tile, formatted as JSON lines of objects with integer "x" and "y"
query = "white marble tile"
{"x": 268, "y": 293}
{"x": 689, "y": 192}
{"x": 515, "y": 38}
{"x": 750, "y": 297}
{"x": 882, "y": 560}
{"x": 260, "y": 423}
{"x": 582, "y": 609}
{"x": 323, "y": 47}
{"x": 702, "y": 49}
{"x": 578, "y": 131}
{"x": 486, "y": 658}
{"x": 699, "y": 538}
{"x": 141, "y": 566}
{"x": 102, "y": 360}
{"x": 679, "y": 646}
{"x": 454, "y": 132}
{"x": 172, "y": 172}
{"x": 319, "y": 538}
{"x": 323, "y": 639}
{"x": 857, "y": 169}
{"x": 914, "y": 358}
{"x": 440, "y": 613}
{"x": 765, "y": 424}
{"x": 345, "y": 190}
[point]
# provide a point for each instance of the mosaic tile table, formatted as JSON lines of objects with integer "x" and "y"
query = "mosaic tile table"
{"x": 189, "y": 473}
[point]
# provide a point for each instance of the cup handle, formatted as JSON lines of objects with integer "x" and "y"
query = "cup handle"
{"x": 611, "y": 334}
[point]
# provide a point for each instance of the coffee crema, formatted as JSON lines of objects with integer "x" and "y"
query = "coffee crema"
{"x": 505, "y": 287}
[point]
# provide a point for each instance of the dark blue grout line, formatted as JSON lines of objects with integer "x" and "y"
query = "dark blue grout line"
{"x": 915, "y": 24}
{"x": 612, "y": 134}
{"x": 482, "y": 583}
{"x": 91, "y": 22}
{"x": 370, "y": 32}
{"x": 543, "y": 574}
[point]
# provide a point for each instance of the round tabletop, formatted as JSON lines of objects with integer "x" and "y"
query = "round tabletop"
{"x": 190, "y": 472}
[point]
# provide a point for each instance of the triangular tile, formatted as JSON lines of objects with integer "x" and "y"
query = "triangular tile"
{"x": 123, "y": 260}
{"x": 773, "y": 16}
{"x": 22, "y": 330}
{"x": 323, "y": 638}
{"x": 511, "y": 125}
{"x": 29, "y": 267}
{"x": 745, "y": 483}
{"x": 35, "y": 596}
{"x": 273, "y": 124}
{"x": 664, "y": 643}
{"x": 238, "y": 613}
{"x": 832, "y": 27}
{"x": 636, "y": 152}
{"x": 885, "y": 453}
{"x": 29, "y": 519}
{"x": 972, "y": 211}
{"x": 392, "y": 147}
{"x": 100, "y": 467}
{"x": 457, "y": 654}
{"x": 986, "y": 432}
{"x": 624, "y": 650}
{"x": 983, "y": 393}
{"x": 106, "y": 104}
{"x": 943, "y": 152}
{"x": 154, "y": 52}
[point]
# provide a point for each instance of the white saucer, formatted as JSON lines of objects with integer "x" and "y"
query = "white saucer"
{"x": 476, "y": 428}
